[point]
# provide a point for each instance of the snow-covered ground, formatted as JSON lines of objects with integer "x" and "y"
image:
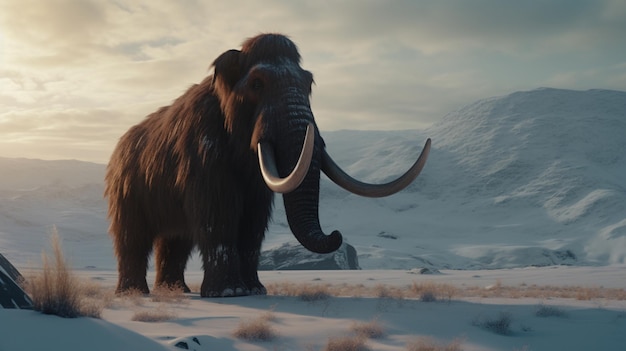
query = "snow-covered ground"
{"x": 596, "y": 324}
{"x": 515, "y": 187}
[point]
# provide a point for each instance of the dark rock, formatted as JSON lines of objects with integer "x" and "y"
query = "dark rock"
{"x": 386, "y": 235}
{"x": 182, "y": 345}
{"x": 10, "y": 270}
{"x": 293, "y": 256}
{"x": 424, "y": 271}
{"x": 11, "y": 294}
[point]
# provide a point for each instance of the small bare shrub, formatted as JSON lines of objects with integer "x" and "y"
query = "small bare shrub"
{"x": 499, "y": 325}
{"x": 429, "y": 344}
{"x": 56, "y": 290}
{"x": 549, "y": 311}
{"x": 371, "y": 330}
{"x": 428, "y": 296}
{"x": 346, "y": 343}
{"x": 159, "y": 314}
{"x": 258, "y": 329}
{"x": 431, "y": 292}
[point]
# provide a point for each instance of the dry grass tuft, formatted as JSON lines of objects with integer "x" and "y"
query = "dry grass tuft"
{"x": 388, "y": 292}
{"x": 371, "y": 330}
{"x": 91, "y": 308}
{"x": 269, "y": 315}
{"x": 195, "y": 287}
{"x": 159, "y": 314}
{"x": 346, "y": 343}
{"x": 429, "y": 344}
{"x": 306, "y": 292}
{"x": 314, "y": 293}
{"x": 588, "y": 293}
{"x": 93, "y": 295}
{"x": 134, "y": 296}
{"x": 161, "y": 295}
{"x": 56, "y": 290}
{"x": 545, "y": 292}
{"x": 431, "y": 291}
{"x": 170, "y": 294}
{"x": 258, "y": 329}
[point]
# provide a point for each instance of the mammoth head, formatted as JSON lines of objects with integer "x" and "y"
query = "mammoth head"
{"x": 255, "y": 80}
{"x": 264, "y": 97}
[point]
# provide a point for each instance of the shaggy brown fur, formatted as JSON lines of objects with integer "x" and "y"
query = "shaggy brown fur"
{"x": 188, "y": 175}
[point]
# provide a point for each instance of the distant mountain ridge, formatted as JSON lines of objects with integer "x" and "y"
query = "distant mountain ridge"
{"x": 23, "y": 173}
{"x": 530, "y": 178}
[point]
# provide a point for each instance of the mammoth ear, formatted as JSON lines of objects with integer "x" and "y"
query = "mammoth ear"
{"x": 227, "y": 71}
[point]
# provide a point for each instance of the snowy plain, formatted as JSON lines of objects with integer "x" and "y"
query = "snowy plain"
{"x": 594, "y": 324}
{"x": 528, "y": 188}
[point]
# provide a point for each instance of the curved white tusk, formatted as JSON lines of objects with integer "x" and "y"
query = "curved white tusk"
{"x": 267, "y": 162}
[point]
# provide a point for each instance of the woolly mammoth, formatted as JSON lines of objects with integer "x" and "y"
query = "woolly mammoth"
{"x": 201, "y": 173}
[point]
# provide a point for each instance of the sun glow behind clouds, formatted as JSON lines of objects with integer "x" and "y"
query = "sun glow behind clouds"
{"x": 75, "y": 74}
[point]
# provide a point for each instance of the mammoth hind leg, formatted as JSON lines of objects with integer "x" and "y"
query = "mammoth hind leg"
{"x": 132, "y": 257}
{"x": 171, "y": 255}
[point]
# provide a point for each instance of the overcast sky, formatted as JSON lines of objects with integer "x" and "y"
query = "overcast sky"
{"x": 76, "y": 74}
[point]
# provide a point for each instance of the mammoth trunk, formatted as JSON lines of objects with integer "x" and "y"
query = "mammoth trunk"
{"x": 302, "y": 204}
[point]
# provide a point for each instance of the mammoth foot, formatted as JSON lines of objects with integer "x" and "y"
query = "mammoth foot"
{"x": 228, "y": 292}
{"x": 258, "y": 291}
{"x": 256, "y": 288}
{"x": 232, "y": 290}
{"x": 223, "y": 290}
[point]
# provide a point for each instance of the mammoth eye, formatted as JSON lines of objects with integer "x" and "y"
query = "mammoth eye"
{"x": 256, "y": 84}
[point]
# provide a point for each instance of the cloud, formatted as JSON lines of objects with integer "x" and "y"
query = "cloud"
{"x": 52, "y": 32}
{"x": 85, "y": 66}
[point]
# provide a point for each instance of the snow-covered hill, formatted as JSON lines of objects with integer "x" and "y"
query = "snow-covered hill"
{"x": 544, "y": 169}
{"x": 531, "y": 178}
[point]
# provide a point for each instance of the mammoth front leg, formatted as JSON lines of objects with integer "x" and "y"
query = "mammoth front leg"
{"x": 217, "y": 240}
{"x": 219, "y": 229}
{"x": 170, "y": 261}
{"x": 253, "y": 226}
{"x": 221, "y": 268}
{"x": 249, "y": 252}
